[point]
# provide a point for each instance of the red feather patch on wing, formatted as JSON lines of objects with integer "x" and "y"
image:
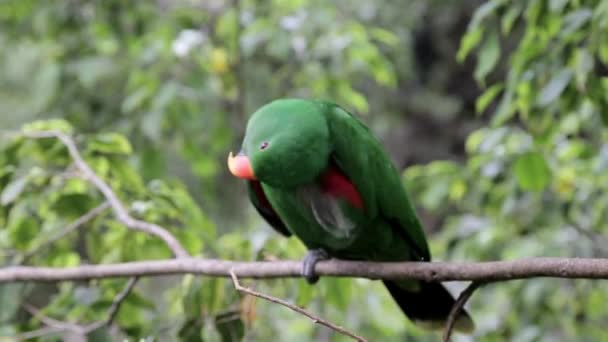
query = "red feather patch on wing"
{"x": 335, "y": 183}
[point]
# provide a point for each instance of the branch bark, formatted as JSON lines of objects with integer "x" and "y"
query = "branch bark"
{"x": 490, "y": 271}
{"x": 118, "y": 208}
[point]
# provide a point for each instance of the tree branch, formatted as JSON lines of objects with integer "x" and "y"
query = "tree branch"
{"x": 458, "y": 305}
{"x": 115, "y": 307}
{"x": 91, "y": 214}
{"x": 599, "y": 242}
{"x": 295, "y": 308}
{"x": 53, "y": 323}
{"x": 54, "y": 326}
{"x": 119, "y": 209}
{"x": 490, "y": 271}
{"x": 37, "y": 333}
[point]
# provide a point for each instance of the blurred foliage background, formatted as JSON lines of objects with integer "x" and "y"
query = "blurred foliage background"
{"x": 495, "y": 110}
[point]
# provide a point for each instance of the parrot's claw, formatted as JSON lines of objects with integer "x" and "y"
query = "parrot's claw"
{"x": 310, "y": 260}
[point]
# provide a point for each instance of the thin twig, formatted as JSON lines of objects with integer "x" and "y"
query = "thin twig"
{"x": 457, "y": 308}
{"x": 295, "y": 308}
{"x": 56, "y": 326}
{"x": 82, "y": 220}
{"x": 37, "y": 333}
{"x": 119, "y": 209}
{"x": 598, "y": 241}
{"x": 114, "y": 308}
{"x": 51, "y": 322}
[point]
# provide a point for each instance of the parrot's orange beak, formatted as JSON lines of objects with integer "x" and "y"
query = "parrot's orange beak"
{"x": 240, "y": 166}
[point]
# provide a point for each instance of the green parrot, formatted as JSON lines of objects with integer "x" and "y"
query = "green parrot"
{"x": 315, "y": 171}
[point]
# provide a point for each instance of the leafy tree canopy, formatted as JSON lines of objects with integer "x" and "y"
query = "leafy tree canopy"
{"x": 496, "y": 111}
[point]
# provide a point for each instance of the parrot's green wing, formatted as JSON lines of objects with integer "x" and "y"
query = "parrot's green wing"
{"x": 361, "y": 157}
{"x": 359, "y": 154}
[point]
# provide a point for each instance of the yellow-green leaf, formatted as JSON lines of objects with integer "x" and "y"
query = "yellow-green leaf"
{"x": 486, "y": 98}
{"x": 532, "y": 171}
{"x": 110, "y": 143}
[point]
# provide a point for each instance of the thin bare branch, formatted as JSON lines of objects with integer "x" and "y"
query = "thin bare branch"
{"x": 91, "y": 214}
{"x": 37, "y": 333}
{"x": 295, "y": 308}
{"x": 51, "y": 322}
{"x": 119, "y": 209}
{"x": 56, "y": 326}
{"x": 598, "y": 240}
{"x": 115, "y": 307}
{"x": 457, "y": 307}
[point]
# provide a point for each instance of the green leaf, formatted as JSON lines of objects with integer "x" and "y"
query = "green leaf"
{"x": 10, "y": 297}
{"x": 486, "y": 98}
{"x": 557, "y": 5}
{"x": 507, "y": 21}
{"x": 533, "y": 12}
{"x": 137, "y": 300}
{"x": 130, "y": 315}
{"x": 75, "y": 186}
{"x": 339, "y": 292}
{"x": 23, "y": 230}
{"x": 603, "y": 52}
{"x": 125, "y": 174}
{"x": 505, "y": 109}
{"x": 532, "y": 171}
{"x": 110, "y": 143}
{"x": 190, "y": 240}
{"x": 72, "y": 204}
{"x": 13, "y": 190}
{"x": 354, "y": 98}
{"x": 135, "y": 100}
{"x": 191, "y": 331}
{"x": 554, "y": 88}
{"x": 583, "y": 62}
{"x": 68, "y": 259}
{"x": 152, "y": 124}
{"x": 484, "y": 11}
{"x": 488, "y": 56}
{"x": 164, "y": 96}
{"x": 91, "y": 70}
{"x": 101, "y": 335}
{"x": 385, "y": 36}
{"x": 305, "y": 294}
{"x": 469, "y": 41}
{"x": 230, "y": 326}
{"x": 575, "y": 20}
{"x": 227, "y": 26}
{"x": 48, "y": 125}
{"x": 474, "y": 140}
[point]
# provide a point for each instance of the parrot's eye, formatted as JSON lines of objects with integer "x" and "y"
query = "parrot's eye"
{"x": 264, "y": 145}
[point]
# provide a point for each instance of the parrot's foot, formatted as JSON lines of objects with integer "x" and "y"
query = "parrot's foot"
{"x": 310, "y": 260}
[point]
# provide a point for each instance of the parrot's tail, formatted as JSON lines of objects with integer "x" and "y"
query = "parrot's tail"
{"x": 429, "y": 306}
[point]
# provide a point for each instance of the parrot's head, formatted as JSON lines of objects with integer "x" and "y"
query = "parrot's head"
{"x": 286, "y": 144}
